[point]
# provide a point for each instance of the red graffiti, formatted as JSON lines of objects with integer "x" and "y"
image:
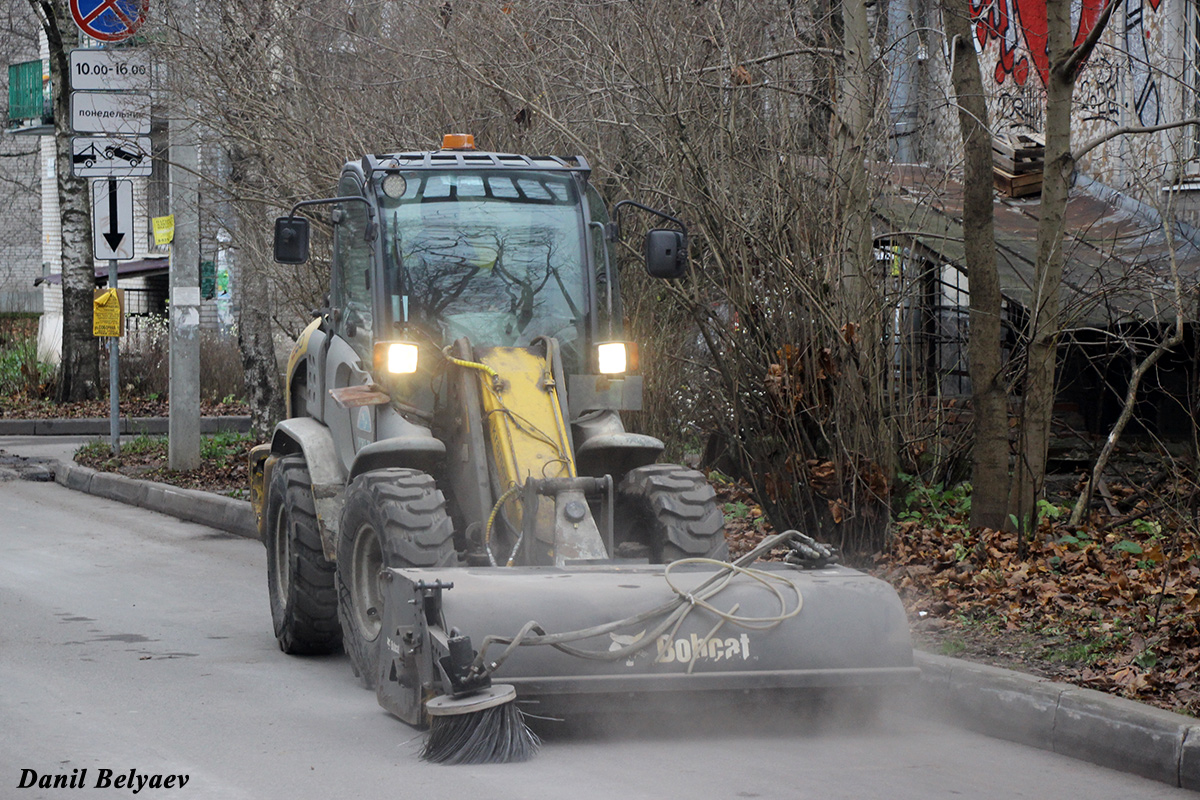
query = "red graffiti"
{"x": 994, "y": 21}
{"x": 1033, "y": 23}
{"x": 1002, "y": 19}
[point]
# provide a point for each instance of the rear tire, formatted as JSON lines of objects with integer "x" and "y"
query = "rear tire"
{"x": 299, "y": 579}
{"x": 392, "y": 518}
{"x": 673, "y": 511}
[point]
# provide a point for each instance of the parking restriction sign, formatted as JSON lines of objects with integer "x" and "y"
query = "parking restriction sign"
{"x": 109, "y": 20}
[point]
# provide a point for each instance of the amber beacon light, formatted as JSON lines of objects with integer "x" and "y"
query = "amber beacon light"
{"x": 458, "y": 141}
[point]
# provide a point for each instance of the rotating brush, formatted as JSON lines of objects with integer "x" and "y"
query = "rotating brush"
{"x": 485, "y": 727}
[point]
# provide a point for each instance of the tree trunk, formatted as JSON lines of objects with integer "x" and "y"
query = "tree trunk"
{"x": 263, "y": 392}
{"x": 1044, "y": 322}
{"x": 865, "y": 444}
{"x": 78, "y": 377}
{"x": 989, "y": 454}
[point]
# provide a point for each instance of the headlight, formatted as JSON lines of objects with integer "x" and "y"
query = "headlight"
{"x": 396, "y": 358}
{"x": 394, "y": 186}
{"x": 614, "y": 358}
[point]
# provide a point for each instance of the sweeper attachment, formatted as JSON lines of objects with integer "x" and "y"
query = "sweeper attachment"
{"x": 591, "y": 636}
{"x": 454, "y": 498}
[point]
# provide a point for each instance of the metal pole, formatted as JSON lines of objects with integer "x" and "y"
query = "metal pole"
{"x": 114, "y": 374}
{"x": 183, "y": 424}
{"x": 183, "y": 443}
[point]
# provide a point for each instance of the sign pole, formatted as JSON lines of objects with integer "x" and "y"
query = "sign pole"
{"x": 183, "y": 418}
{"x": 113, "y": 74}
{"x": 114, "y": 372}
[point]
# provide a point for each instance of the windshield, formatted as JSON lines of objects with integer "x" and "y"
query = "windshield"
{"x": 495, "y": 256}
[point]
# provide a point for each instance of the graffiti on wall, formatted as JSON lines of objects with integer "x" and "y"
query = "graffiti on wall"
{"x": 1097, "y": 90}
{"x": 1144, "y": 87}
{"x": 1018, "y": 29}
{"x": 1020, "y": 107}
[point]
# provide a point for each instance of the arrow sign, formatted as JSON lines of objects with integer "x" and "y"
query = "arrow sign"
{"x": 113, "y": 236}
{"x": 112, "y": 220}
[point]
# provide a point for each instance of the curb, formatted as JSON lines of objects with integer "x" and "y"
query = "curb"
{"x": 1079, "y": 723}
{"x": 1061, "y": 718}
{"x": 191, "y": 505}
{"x": 101, "y": 426}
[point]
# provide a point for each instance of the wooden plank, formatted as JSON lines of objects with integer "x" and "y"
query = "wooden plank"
{"x": 1021, "y": 145}
{"x": 1023, "y": 179}
{"x": 1017, "y": 185}
{"x": 1016, "y": 167}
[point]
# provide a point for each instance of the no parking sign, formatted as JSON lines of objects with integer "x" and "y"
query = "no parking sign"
{"x": 109, "y": 20}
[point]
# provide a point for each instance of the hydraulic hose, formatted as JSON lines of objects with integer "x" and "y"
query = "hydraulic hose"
{"x": 670, "y": 614}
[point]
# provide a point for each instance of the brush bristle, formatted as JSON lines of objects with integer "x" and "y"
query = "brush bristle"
{"x": 496, "y": 735}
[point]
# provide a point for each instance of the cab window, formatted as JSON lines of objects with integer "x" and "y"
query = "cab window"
{"x": 353, "y": 317}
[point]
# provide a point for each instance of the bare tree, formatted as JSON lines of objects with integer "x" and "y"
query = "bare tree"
{"x": 990, "y": 450}
{"x": 80, "y": 367}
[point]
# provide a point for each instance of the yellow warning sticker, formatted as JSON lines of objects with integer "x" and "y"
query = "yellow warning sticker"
{"x": 164, "y": 229}
{"x": 108, "y": 318}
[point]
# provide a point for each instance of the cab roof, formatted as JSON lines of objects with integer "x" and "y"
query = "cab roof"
{"x": 472, "y": 159}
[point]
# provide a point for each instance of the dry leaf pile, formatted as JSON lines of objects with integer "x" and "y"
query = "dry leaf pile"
{"x": 24, "y": 406}
{"x": 1114, "y": 610}
{"x": 1110, "y": 608}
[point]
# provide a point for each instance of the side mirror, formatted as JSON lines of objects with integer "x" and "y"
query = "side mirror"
{"x": 291, "y": 240}
{"x": 666, "y": 253}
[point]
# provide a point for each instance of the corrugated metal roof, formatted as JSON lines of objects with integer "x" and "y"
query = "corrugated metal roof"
{"x": 1118, "y": 254}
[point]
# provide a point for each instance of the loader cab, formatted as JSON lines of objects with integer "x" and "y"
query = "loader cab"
{"x": 500, "y": 256}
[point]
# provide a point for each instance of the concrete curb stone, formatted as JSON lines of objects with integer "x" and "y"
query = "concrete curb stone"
{"x": 1079, "y": 723}
{"x": 127, "y": 426}
{"x": 118, "y": 487}
{"x": 74, "y": 477}
{"x": 223, "y": 513}
{"x": 1014, "y": 706}
{"x": 1093, "y": 726}
{"x": 1189, "y": 760}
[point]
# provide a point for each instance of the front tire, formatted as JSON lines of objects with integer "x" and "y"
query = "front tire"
{"x": 299, "y": 579}
{"x": 673, "y": 511}
{"x": 392, "y": 518}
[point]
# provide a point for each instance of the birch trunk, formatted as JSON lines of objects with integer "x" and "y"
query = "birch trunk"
{"x": 78, "y": 377}
{"x": 1044, "y": 323}
{"x": 990, "y": 452}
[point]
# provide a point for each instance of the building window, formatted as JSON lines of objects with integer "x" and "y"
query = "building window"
{"x": 1191, "y": 81}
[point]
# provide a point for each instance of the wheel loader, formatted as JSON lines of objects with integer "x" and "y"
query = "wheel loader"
{"x": 453, "y": 496}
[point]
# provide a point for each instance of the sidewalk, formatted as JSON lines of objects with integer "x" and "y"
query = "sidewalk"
{"x": 1080, "y": 723}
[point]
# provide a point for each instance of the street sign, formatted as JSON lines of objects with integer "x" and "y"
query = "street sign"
{"x": 108, "y": 157}
{"x": 109, "y": 20}
{"x": 112, "y": 220}
{"x": 124, "y": 113}
{"x": 93, "y": 69}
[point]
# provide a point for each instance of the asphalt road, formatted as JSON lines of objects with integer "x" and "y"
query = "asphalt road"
{"x": 130, "y": 640}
